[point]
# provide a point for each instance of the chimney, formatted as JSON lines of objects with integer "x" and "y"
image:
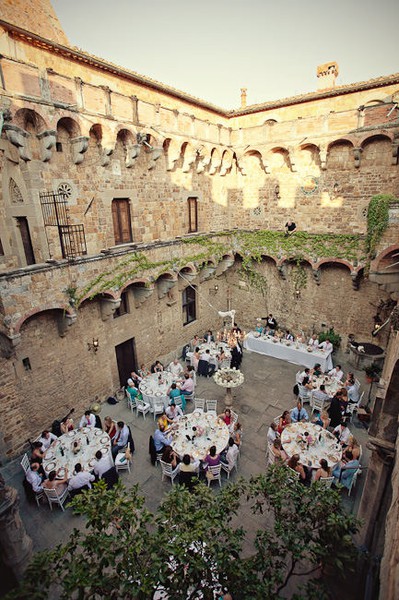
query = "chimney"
{"x": 327, "y": 75}
{"x": 243, "y": 97}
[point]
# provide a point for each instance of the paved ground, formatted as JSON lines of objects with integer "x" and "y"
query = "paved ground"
{"x": 266, "y": 392}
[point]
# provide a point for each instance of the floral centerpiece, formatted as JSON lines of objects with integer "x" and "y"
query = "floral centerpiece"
{"x": 228, "y": 378}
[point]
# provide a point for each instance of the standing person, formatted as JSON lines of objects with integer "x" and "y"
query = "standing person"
{"x": 203, "y": 364}
{"x": 236, "y": 356}
{"x": 271, "y": 322}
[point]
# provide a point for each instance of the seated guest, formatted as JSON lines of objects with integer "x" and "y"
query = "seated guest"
{"x": 131, "y": 388}
{"x": 173, "y": 412}
{"x": 174, "y": 392}
{"x": 143, "y": 371}
{"x": 120, "y": 439}
{"x": 67, "y": 425}
{"x": 334, "y": 410}
{"x": 342, "y": 433}
{"x": 354, "y": 447}
{"x": 344, "y": 402}
{"x": 195, "y": 358}
{"x": 136, "y": 378}
{"x": 109, "y": 427}
{"x": 299, "y": 413}
{"x": 103, "y": 464}
{"x": 324, "y": 470}
{"x": 189, "y": 465}
{"x": 157, "y": 367}
{"x": 321, "y": 419}
{"x": 272, "y": 433}
{"x": 278, "y": 451}
{"x": 307, "y": 381}
{"x": 175, "y": 368}
{"x": 316, "y": 371}
{"x": 313, "y": 341}
{"x": 353, "y": 392}
{"x": 230, "y": 458}
{"x": 295, "y": 465}
{"x": 336, "y": 373}
{"x": 34, "y": 478}
{"x": 163, "y": 420}
{"x": 187, "y": 387}
{"x": 46, "y": 439}
{"x": 237, "y": 433}
{"x": 284, "y": 420}
{"x": 208, "y": 337}
{"x": 203, "y": 363}
{"x": 221, "y": 356}
{"x": 211, "y": 459}
{"x": 80, "y": 479}
{"x": 195, "y": 342}
{"x": 161, "y": 439}
{"x": 59, "y": 485}
{"x": 302, "y": 375}
{"x": 346, "y": 469}
{"x": 169, "y": 456}
{"x": 288, "y": 336}
{"x": 226, "y": 417}
{"x": 88, "y": 420}
{"x": 321, "y": 394}
{"x": 37, "y": 452}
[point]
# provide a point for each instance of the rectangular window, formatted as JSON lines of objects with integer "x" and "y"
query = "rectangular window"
{"x": 1, "y": 249}
{"x": 189, "y": 305}
{"x": 192, "y": 214}
{"x": 124, "y": 306}
{"x": 121, "y": 221}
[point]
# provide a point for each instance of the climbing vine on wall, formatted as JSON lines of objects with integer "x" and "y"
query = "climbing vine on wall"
{"x": 377, "y": 221}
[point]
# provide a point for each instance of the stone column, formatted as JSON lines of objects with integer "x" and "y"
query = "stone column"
{"x": 15, "y": 544}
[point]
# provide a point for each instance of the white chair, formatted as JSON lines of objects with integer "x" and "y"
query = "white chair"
{"x": 53, "y": 497}
{"x": 276, "y": 420}
{"x": 326, "y": 481}
{"x": 168, "y": 471}
{"x": 353, "y": 482}
{"x": 131, "y": 402}
{"x": 189, "y": 396}
{"x": 305, "y": 395}
{"x": 228, "y": 469}
{"x": 212, "y": 406}
{"x": 216, "y": 474}
{"x": 142, "y": 407}
{"x": 121, "y": 462}
{"x": 357, "y": 384}
{"x": 298, "y": 378}
{"x": 270, "y": 456}
{"x": 25, "y": 464}
{"x": 157, "y": 407}
{"x": 317, "y": 404}
{"x": 293, "y": 474}
{"x": 352, "y": 407}
{"x": 199, "y": 404}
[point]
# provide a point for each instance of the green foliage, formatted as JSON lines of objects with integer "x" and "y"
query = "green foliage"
{"x": 372, "y": 371}
{"x": 377, "y": 221}
{"x": 196, "y": 541}
{"x": 334, "y": 338}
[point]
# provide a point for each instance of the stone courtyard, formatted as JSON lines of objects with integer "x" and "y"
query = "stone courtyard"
{"x": 266, "y": 392}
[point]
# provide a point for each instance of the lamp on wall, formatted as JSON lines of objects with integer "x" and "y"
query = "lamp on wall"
{"x": 297, "y": 294}
{"x": 94, "y": 345}
{"x": 277, "y": 191}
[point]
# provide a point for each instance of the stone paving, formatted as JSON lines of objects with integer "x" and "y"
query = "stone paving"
{"x": 266, "y": 392}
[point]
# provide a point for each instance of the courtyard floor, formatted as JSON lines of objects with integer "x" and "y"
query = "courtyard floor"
{"x": 266, "y": 392}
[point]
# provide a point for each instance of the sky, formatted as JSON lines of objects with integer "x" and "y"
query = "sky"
{"x": 212, "y": 48}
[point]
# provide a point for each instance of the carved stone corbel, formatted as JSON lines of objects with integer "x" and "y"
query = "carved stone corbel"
{"x": 358, "y": 154}
{"x": 204, "y": 158}
{"x": 164, "y": 285}
{"x": 189, "y": 159}
{"x": 79, "y": 146}
{"x": 132, "y": 152}
{"x": 156, "y": 153}
{"x": 355, "y": 280}
{"x": 292, "y": 159}
{"x": 323, "y": 157}
{"x": 282, "y": 270}
{"x": 108, "y": 306}
{"x": 206, "y": 273}
{"x": 316, "y": 276}
{"x": 141, "y": 294}
{"x": 64, "y": 322}
{"x": 8, "y": 343}
{"x": 395, "y": 146}
{"x": 19, "y": 138}
{"x": 216, "y": 162}
{"x": 47, "y": 141}
{"x": 226, "y": 164}
{"x": 106, "y": 154}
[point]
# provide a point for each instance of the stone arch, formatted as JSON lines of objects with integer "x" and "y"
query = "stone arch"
{"x": 125, "y": 140}
{"x": 29, "y": 120}
{"x": 340, "y": 154}
{"x": 57, "y": 308}
{"x": 278, "y": 159}
{"x": 269, "y": 257}
{"x": 333, "y": 261}
{"x": 68, "y": 132}
{"x": 308, "y": 157}
{"x": 141, "y": 281}
{"x": 387, "y": 257}
{"x": 377, "y": 151}
{"x": 252, "y": 161}
{"x": 97, "y": 296}
{"x": 270, "y": 122}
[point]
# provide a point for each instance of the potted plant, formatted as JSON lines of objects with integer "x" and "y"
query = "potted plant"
{"x": 372, "y": 372}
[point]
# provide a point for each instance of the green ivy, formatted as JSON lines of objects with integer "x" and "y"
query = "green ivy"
{"x": 377, "y": 221}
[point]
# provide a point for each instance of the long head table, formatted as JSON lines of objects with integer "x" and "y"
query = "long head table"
{"x": 291, "y": 352}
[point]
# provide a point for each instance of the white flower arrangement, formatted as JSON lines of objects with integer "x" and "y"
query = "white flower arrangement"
{"x": 228, "y": 378}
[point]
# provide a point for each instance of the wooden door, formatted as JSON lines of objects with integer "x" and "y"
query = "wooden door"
{"x": 26, "y": 240}
{"x": 126, "y": 359}
{"x": 121, "y": 221}
{"x": 192, "y": 215}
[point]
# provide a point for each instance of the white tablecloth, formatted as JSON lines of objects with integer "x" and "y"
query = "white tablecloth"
{"x": 293, "y": 354}
{"x": 98, "y": 440}
{"x": 213, "y": 348}
{"x": 154, "y": 389}
{"x": 215, "y": 433}
{"x": 327, "y": 448}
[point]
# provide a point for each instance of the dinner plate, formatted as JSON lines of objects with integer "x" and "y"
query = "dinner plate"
{"x": 49, "y": 456}
{"x": 98, "y": 432}
{"x": 105, "y": 450}
{"x": 92, "y": 462}
{"x": 71, "y": 433}
{"x": 104, "y": 440}
{"x": 50, "y": 467}
{"x": 61, "y": 473}
{"x": 86, "y": 429}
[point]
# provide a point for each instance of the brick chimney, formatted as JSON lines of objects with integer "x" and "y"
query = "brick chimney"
{"x": 243, "y": 97}
{"x": 327, "y": 75}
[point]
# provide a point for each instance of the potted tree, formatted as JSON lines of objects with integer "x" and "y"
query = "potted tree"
{"x": 372, "y": 373}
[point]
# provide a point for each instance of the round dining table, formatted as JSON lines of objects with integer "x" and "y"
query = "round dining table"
{"x": 331, "y": 385}
{"x": 209, "y": 431}
{"x": 323, "y": 444}
{"x": 61, "y": 455}
{"x": 155, "y": 387}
